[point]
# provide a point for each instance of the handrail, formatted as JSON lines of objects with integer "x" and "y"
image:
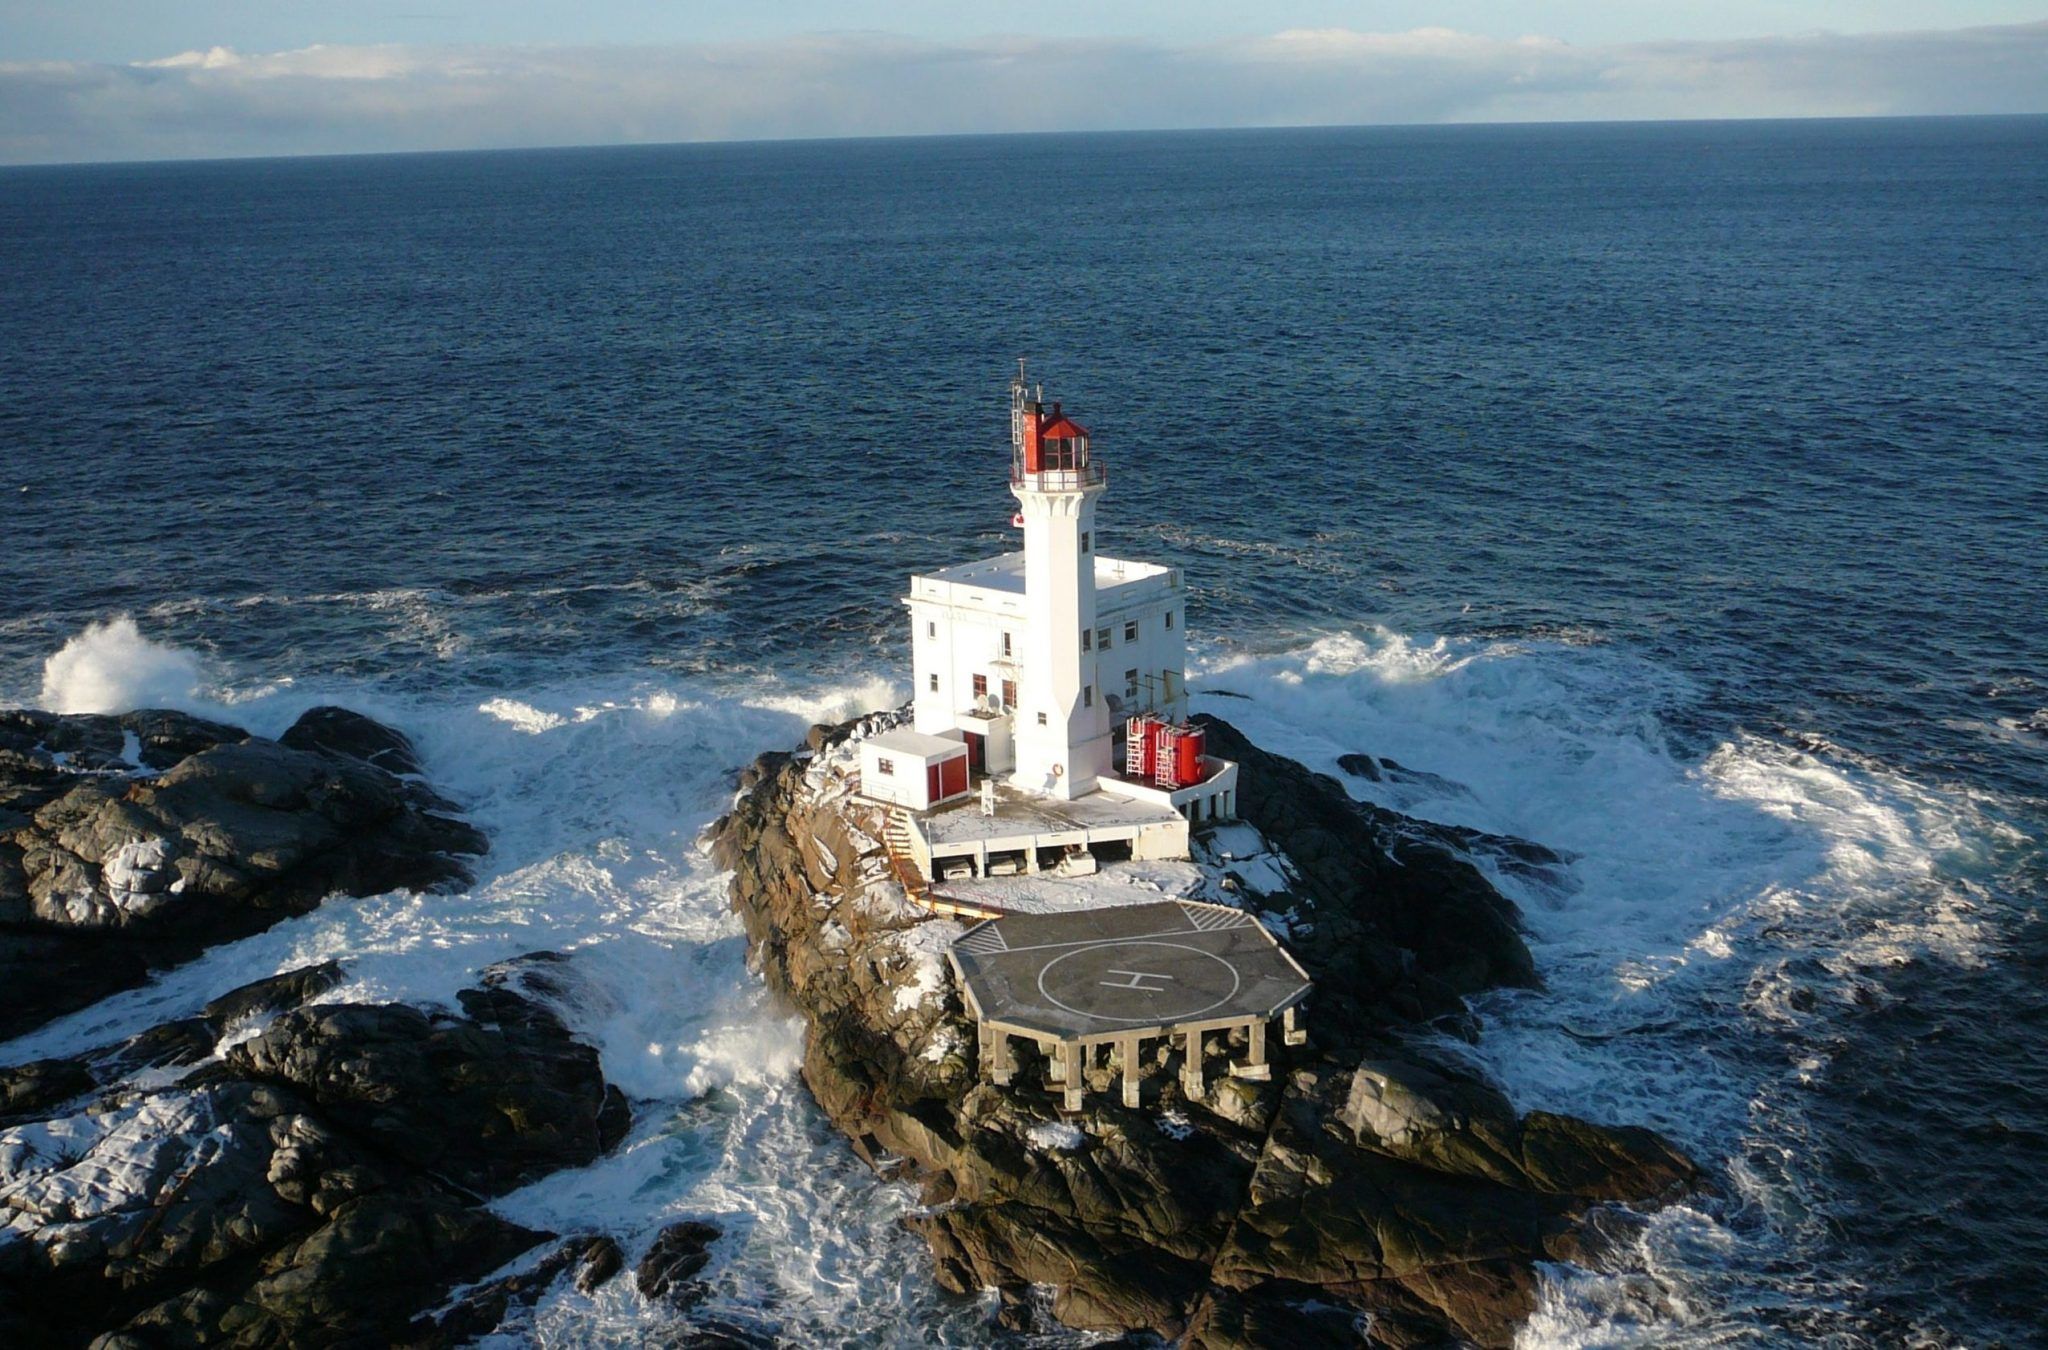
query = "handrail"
{"x": 1092, "y": 474}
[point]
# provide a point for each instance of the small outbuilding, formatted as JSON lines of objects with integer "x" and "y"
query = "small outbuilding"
{"x": 910, "y": 769}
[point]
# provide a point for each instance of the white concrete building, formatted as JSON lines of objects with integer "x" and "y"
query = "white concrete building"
{"x": 908, "y": 768}
{"x": 1034, "y": 660}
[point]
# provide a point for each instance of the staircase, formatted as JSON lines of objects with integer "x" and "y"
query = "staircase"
{"x": 899, "y": 838}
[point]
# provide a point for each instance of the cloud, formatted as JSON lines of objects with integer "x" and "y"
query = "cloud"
{"x": 397, "y": 97}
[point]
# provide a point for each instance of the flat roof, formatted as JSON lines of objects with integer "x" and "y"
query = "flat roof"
{"x": 1125, "y": 970}
{"x": 1023, "y": 813}
{"x": 1005, "y": 572}
{"x": 916, "y": 744}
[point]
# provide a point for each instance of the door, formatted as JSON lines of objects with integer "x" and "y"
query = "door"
{"x": 931, "y": 784}
{"x": 977, "y": 751}
{"x": 953, "y": 776}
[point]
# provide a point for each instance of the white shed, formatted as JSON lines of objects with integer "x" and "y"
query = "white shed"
{"x": 909, "y": 768}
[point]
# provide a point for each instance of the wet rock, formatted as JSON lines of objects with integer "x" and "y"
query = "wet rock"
{"x": 679, "y": 1253}
{"x": 479, "y": 1311}
{"x": 600, "y": 1259}
{"x": 489, "y": 1101}
{"x": 319, "y": 1184}
{"x": 129, "y": 844}
{"x": 350, "y": 735}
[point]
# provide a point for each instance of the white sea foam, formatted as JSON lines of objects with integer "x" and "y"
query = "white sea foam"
{"x": 112, "y": 668}
{"x": 1708, "y": 886}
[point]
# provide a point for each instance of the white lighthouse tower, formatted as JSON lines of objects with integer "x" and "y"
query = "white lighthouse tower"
{"x": 1062, "y": 718}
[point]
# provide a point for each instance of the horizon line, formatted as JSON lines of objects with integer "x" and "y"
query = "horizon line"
{"x": 1449, "y": 124}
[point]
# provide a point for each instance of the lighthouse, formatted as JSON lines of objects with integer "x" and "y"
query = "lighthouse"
{"x": 1031, "y": 667}
{"x": 1062, "y": 726}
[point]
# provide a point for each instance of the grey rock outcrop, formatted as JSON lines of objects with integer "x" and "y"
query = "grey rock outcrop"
{"x": 1367, "y": 1185}
{"x": 130, "y": 843}
{"x": 319, "y": 1183}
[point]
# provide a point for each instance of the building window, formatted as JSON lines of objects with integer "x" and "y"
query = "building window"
{"x": 981, "y": 686}
{"x": 886, "y": 767}
{"x": 1009, "y": 693}
{"x": 1102, "y": 638}
{"x": 935, "y": 682}
{"x": 1041, "y": 719}
{"x": 1087, "y": 639}
{"x": 1130, "y": 684}
{"x": 1087, "y": 695}
{"x": 1130, "y": 630}
{"x": 1166, "y": 684}
{"x": 931, "y": 628}
{"x": 1084, "y": 540}
{"x": 1006, "y": 644}
{"x": 1169, "y": 618}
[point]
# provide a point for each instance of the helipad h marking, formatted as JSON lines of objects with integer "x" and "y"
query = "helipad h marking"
{"x": 1135, "y": 979}
{"x": 1178, "y": 1015}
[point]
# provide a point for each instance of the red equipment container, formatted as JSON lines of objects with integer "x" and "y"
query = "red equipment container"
{"x": 1188, "y": 743}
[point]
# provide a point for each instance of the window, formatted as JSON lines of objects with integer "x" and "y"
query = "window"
{"x": 981, "y": 686}
{"x": 1169, "y": 619}
{"x": 935, "y": 682}
{"x": 886, "y": 767}
{"x": 1087, "y": 695}
{"x": 1130, "y": 630}
{"x": 1009, "y": 693}
{"x": 1087, "y": 638}
{"x": 1006, "y": 644}
{"x": 1041, "y": 719}
{"x": 1102, "y": 638}
{"x": 1166, "y": 684}
{"x": 1130, "y": 684}
{"x": 1084, "y": 540}
{"x": 931, "y": 628}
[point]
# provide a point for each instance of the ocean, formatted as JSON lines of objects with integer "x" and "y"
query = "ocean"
{"x": 1673, "y": 492}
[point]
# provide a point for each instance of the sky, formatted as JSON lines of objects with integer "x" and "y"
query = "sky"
{"x": 150, "y": 79}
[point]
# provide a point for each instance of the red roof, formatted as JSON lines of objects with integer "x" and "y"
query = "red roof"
{"x": 1060, "y": 427}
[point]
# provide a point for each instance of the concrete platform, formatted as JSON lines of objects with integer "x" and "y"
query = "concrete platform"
{"x": 1127, "y": 970}
{"x": 1026, "y": 825}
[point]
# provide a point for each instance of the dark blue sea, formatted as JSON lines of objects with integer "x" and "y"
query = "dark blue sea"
{"x": 1675, "y": 494}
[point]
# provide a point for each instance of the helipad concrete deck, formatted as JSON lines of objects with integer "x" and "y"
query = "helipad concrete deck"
{"x": 1081, "y": 979}
{"x": 1125, "y": 969}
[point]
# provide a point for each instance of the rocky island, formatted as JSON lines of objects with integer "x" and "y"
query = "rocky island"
{"x": 1376, "y": 1190}
{"x": 1352, "y": 1179}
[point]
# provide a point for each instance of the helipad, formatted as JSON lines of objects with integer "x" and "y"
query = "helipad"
{"x": 1084, "y": 979}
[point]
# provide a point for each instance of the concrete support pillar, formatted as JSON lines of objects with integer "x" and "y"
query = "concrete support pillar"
{"x": 1291, "y": 1030}
{"x": 998, "y": 1056}
{"x": 1129, "y": 1046}
{"x": 1055, "y": 1062}
{"x": 1070, "y": 1056}
{"x": 1191, "y": 1065}
{"x": 1255, "y": 1066}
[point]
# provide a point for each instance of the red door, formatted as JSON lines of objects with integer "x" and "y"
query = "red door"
{"x": 954, "y": 775}
{"x": 977, "y": 750}
{"x": 931, "y": 783}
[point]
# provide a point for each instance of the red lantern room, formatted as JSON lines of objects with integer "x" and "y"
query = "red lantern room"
{"x": 1050, "y": 449}
{"x": 1053, "y": 440}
